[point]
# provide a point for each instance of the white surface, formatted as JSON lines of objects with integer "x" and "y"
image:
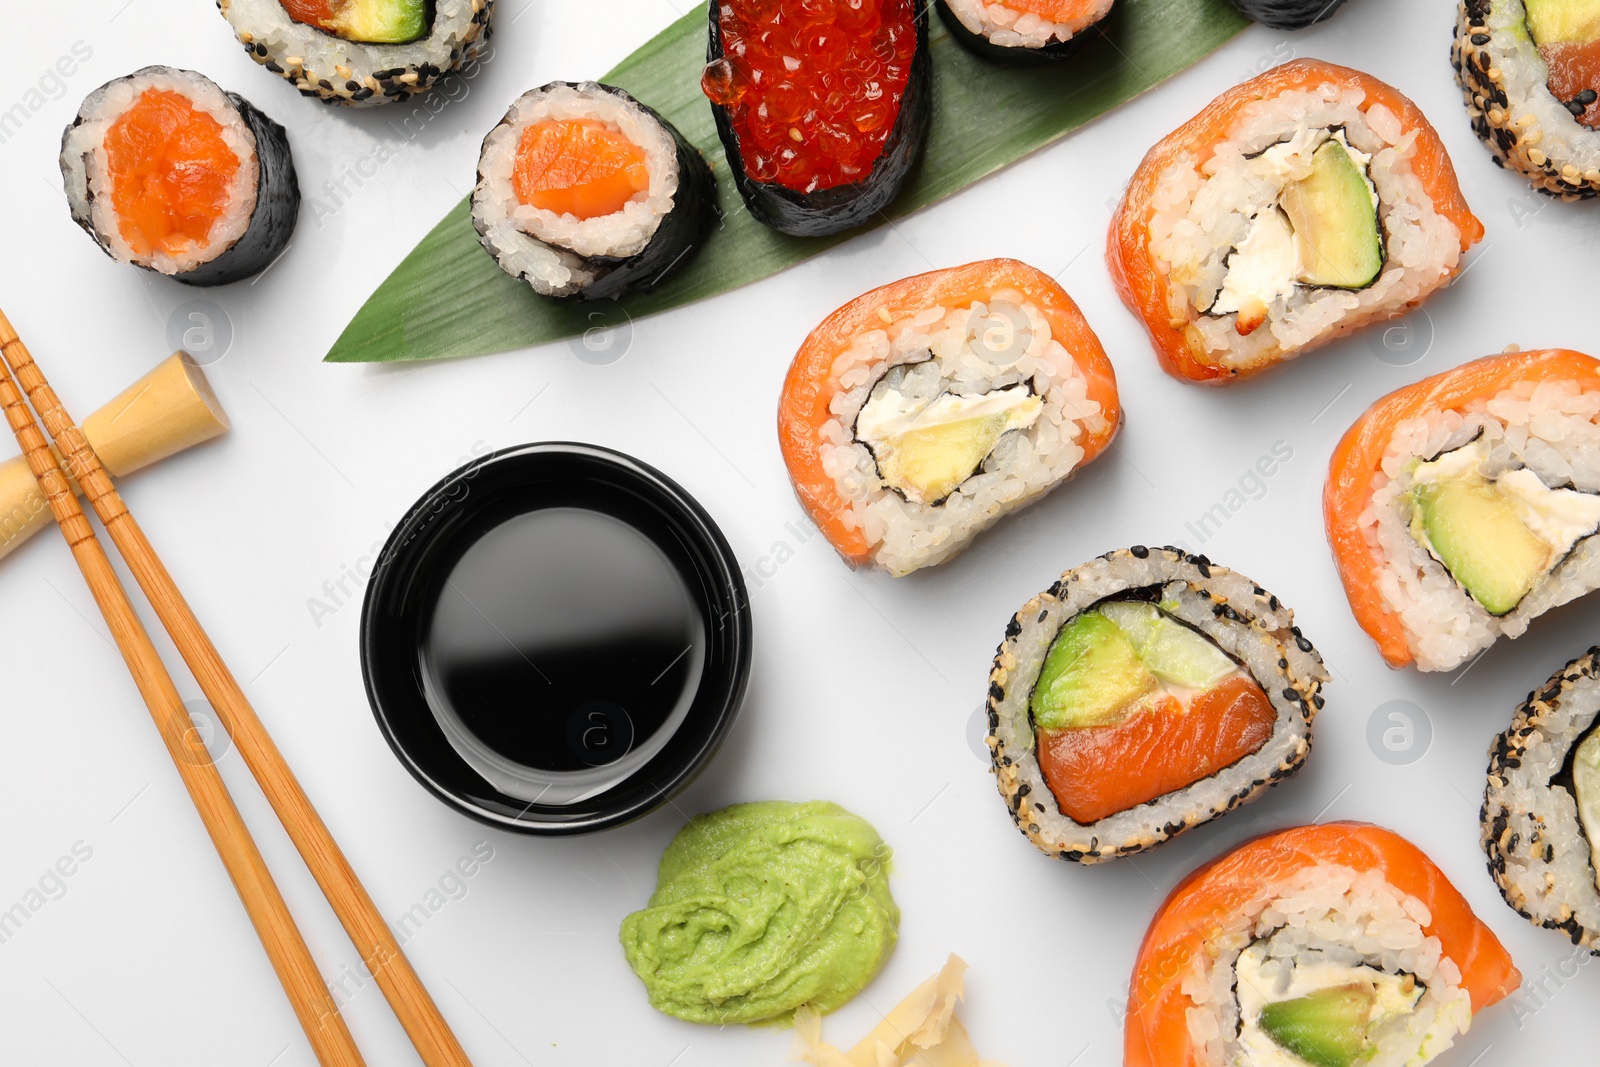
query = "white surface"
{"x": 866, "y": 689}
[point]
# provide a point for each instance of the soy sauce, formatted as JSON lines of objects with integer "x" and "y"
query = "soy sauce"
{"x": 563, "y": 648}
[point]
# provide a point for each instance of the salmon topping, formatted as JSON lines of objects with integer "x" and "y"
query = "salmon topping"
{"x": 170, "y": 174}
{"x": 1575, "y": 77}
{"x": 1097, "y": 771}
{"x": 578, "y": 167}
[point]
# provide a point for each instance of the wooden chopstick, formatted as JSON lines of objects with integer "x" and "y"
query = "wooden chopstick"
{"x": 317, "y": 1012}
{"x": 380, "y": 951}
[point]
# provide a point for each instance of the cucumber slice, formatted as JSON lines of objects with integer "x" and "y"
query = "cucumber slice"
{"x": 1325, "y": 1029}
{"x": 1335, "y": 222}
{"x": 1090, "y": 677}
{"x": 1172, "y": 651}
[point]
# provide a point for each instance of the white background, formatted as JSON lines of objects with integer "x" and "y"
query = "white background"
{"x": 866, "y": 689}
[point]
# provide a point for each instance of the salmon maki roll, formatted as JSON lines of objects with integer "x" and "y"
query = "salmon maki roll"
{"x": 1541, "y": 806}
{"x": 1297, "y": 207}
{"x": 1461, "y": 508}
{"x": 167, "y": 171}
{"x": 1018, "y": 32}
{"x": 1328, "y": 946}
{"x": 583, "y": 191}
{"x": 1145, "y": 693}
{"x": 917, "y": 415}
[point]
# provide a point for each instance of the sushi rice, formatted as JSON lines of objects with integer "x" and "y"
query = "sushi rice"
{"x": 1205, "y": 209}
{"x": 1009, "y": 28}
{"x": 966, "y": 351}
{"x": 1549, "y": 427}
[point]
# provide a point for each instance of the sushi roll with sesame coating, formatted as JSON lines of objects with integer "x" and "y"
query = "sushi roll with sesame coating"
{"x": 1142, "y": 694}
{"x": 1530, "y": 70}
{"x": 1541, "y": 807}
{"x": 361, "y": 52}
{"x": 583, "y": 191}
{"x": 168, "y": 172}
{"x": 820, "y": 144}
{"x": 1021, "y": 32}
{"x": 1288, "y": 14}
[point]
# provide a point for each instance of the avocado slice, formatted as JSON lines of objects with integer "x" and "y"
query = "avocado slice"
{"x": 1172, "y": 651}
{"x": 1480, "y": 538}
{"x": 366, "y": 21}
{"x": 925, "y": 448}
{"x": 1335, "y": 221}
{"x": 1563, "y": 21}
{"x": 1328, "y": 1028}
{"x": 1090, "y": 676}
{"x": 933, "y": 461}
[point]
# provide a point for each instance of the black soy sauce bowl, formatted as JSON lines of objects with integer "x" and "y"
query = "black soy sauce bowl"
{"x": 481, "y": 496}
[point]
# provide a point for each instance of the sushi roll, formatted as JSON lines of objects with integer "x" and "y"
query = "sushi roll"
{"x": 1334, "y": 945}
{"x": 917, "y": 415}
{"x": 820, "y": 144}
{"x": 1530, "y": 70}
{"x": 1461, "y": 508}
{"x": 360, "y": 52}
{"x": 584, "y": 191}
{"x": 1541, "y": 808}
{"x": 1288, "y": 14}
{"x": 1024, "y": 31}
{"x": 168, "y": 172}
{"x": 1145, "y": 693}
{"x": 1299, "y": 206}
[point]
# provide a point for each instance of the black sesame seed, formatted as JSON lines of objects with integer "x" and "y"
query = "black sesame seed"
{"x": 1480, "y": 39}
{"x": 1140, "y": 552}
{"x": 1587, "y": 97}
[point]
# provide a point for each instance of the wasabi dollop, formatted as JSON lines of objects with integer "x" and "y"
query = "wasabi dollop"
{"x": 762, "y": 908}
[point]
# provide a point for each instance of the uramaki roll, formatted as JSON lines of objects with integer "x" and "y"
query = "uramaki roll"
{"x": 1295, "y": 208}
{"x": 1143, "y": 694}
{"x": 917, "y": 415}
{"x": 1461, "y": 508}
{"x": 1541, "y": 806}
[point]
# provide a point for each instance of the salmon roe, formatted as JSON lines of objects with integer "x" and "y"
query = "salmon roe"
{"x": 813, "y": 87}
{"x": 170, "y": 173}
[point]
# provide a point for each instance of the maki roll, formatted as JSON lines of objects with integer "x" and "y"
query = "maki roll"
{"x": 1541, "y": 808}
{"x": 819, "y": 144}
{"x": 1463, "y": 507}
{"x": 1288, "y": 14}
{"x": 1145, "y": 693}
{"x": 1530, "y": 70}
{"x": 1331, "y": 946}
{"x": 1024, "y": 31}
{"x": 1299, "y": 206}
{"x": 584, "y": 191}
{"x": 920, "y": 413}
{"x": 360, "y": 52}
{"x": 168, "y": 172}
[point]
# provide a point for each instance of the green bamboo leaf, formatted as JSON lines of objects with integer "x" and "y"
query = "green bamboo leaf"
{"x": 447, "y": 298}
